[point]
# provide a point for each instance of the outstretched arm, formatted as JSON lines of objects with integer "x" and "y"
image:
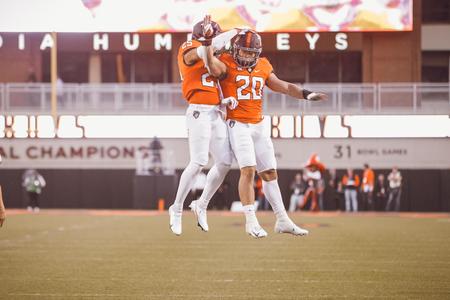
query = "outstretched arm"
{"x": 293, "y": 90}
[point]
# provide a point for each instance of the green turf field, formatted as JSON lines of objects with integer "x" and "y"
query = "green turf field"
{"x": 75, "y": 254}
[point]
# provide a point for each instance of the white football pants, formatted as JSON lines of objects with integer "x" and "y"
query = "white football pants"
{"x": 207, "y": 133}
{"x": 252, "y": 145}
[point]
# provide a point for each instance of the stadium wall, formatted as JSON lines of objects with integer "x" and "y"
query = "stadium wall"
{"x": 424, "y": 190}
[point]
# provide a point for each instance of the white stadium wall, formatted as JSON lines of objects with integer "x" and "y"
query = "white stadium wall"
{"x": 425, "y": 153}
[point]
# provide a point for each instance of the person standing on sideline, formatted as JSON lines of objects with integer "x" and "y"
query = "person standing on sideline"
{"x": 350, "y": 181}
{"x": 380, "y": 192}
{"x": 298, "y": 191}
{"x": 156, "y": 164}
{"x": 367, "y": 187}
{"x": 336, "y": 190}
{"x": 33, "y": 182}
{"x": 395, "y": 190}
{"x": 314, "y": 171}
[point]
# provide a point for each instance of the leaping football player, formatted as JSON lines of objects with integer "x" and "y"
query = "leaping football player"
{"x": 207, "y": 131}
{"x": 243, "y": 75}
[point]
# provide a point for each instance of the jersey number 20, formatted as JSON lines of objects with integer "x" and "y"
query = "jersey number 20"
{"x": 256, "y": 89}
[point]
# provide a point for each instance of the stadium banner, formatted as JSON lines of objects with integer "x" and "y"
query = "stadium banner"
{"x": 174, "y": 126}
{"x": 166, "y": 41}
{"x": 406, "y": 153}
{"x": 180, "y": 16}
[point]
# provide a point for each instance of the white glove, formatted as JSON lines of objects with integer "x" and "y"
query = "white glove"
{"x": 316, "y": 96}
{"x": 313, "y": 96}
{"x": 231, "y": 102}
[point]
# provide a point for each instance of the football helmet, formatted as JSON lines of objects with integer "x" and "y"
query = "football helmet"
{"x": 197, "y": 32}
{"x": 247, "y": 47}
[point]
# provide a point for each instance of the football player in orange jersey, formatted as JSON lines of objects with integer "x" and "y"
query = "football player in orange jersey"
{"x": 207, "y": 130}
{"x": 243, "y": 75}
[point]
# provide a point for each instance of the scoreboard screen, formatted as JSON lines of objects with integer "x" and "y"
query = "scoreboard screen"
{"x": 181, "y": 15}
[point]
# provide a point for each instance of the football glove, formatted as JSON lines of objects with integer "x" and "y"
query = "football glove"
{"x": 313, "y": 96}
{"x": 231, "y": 102}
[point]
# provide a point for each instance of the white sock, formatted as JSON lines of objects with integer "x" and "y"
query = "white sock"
{"x": 273, "y": 194}
{"x": 249, "y": 211}
{"x": 214, "y": 179}
{"x": 185, "y": 185}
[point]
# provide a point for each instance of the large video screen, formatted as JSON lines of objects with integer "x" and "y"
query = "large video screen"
{"x": 181, "y": 15}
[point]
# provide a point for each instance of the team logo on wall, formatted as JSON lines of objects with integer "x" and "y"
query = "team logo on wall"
{"x": 196, "y": 113}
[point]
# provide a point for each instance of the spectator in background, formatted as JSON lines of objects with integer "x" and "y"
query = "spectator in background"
{"x": 395, "y": 190}
{"x": 298, "y": 191}
{"x": 155, "y": 156}
{"x": 33, "y": 182}
{"x": 315, "y": 186}
{"x": 337, "y": 191}
{"x": 263, "y": 204}
{"x": 380, "y": 192}
{"x": 350, "y": 182}
{"x": 367, "y": 186}
{"x": 2, "y": 206}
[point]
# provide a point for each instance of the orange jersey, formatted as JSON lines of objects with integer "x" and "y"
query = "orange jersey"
{"x": 197, "y": 85}
{"x": 246, "y": 87}
{"x": 368, "y": 178}
{"x": 346, "y": 179}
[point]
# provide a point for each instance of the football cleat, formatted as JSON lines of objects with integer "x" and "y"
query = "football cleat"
{"x": 287, "y": 226}
{"x": 175, "y": 220}
{"x": 202, "y": 220}
{"x": 255, "y": 230}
